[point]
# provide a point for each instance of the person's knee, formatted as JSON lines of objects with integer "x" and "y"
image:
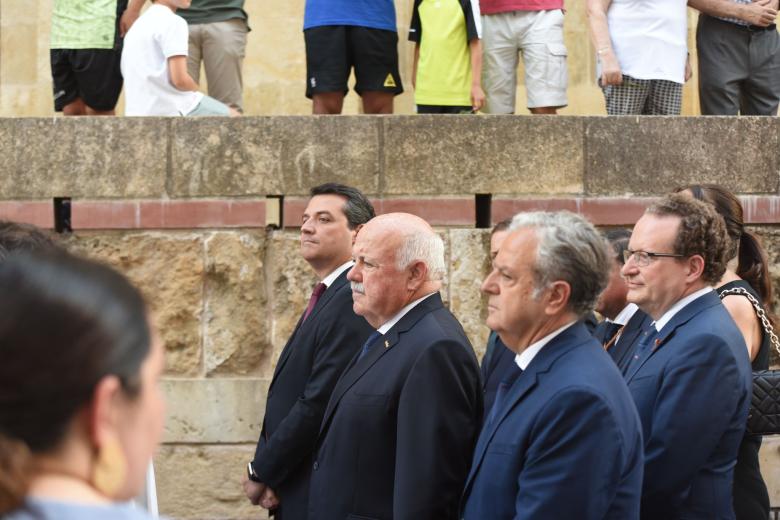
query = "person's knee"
{"x": 75, "y": 108}
{"x": 328, "y": 103}
{"x": 378, "y": 102}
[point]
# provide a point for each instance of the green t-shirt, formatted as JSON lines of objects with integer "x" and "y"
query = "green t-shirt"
{"x": 83, "y": 24}
{"x": 210, "y": 11}
{"x": 443, "y": 29}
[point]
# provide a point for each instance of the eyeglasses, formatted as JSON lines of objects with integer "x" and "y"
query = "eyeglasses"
{"x": 643, "y": 258}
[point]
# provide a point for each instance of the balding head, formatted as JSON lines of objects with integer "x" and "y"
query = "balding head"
{"x": 398, "y": 259}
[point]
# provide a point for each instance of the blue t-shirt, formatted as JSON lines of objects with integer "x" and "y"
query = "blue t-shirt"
{"x": 376, "y": 14}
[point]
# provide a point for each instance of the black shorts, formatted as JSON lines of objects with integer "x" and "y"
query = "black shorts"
{"x": 332, "y": 50}
{"x": 443, "y": 109}
{"x": 90, "y": 74}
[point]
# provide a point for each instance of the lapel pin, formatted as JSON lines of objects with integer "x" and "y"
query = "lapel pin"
{"x": 387, "y": 344}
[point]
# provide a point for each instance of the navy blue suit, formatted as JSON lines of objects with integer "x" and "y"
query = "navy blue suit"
{"x": 622, "y": 350}
{"x": 498, "y": 359}
{"x": 307, "y": 370}
{"x": 398, "y": 434}
{"x": 692, "y": 392}
{"x": 565, "y": 442}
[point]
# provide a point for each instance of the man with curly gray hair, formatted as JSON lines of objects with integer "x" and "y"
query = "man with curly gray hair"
{"x": 690, "y": 375}
{"x": 562, "y": 439}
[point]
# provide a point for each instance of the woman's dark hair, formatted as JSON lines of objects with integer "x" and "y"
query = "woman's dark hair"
{"x": 65, "y": 323}
{"x": 753, "y": 266}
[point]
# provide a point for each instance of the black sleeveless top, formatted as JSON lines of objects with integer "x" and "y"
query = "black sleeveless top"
{"x": 751, "y": 499}
{"x": 762, "y": 358}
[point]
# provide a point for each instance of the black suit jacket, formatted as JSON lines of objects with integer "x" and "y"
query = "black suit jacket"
{"x": 496, "y": 363}
{"x": 399, "y": 431}
{"x": 622, "y": 350}
{"x": 307, "y": 371}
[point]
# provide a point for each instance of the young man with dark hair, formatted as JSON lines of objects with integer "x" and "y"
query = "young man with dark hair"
{"x": 327, "y": 336}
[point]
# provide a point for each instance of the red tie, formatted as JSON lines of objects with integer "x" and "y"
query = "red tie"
{"x": 315, "y": 295}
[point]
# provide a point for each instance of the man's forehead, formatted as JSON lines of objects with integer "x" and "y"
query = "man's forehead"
{"x": 655, "y": 230}
{"x": 330, "y": 203}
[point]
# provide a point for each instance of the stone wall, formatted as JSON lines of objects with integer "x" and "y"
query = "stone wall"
{"x": 275, "y": 66}
{"x": 181, "y": 208}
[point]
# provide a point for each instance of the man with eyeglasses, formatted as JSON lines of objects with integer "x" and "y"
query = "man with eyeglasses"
{"x": 689, "y": 375}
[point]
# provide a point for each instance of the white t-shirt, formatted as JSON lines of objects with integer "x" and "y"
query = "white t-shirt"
{"x": 649, "y": 37}
{"x": 157, "y": 35}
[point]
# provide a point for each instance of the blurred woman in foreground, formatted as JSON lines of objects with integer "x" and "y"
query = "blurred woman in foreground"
{"x": 80, "y": 408}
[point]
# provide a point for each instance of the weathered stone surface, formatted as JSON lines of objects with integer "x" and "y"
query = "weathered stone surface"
{"x": 488, "y": 154}
{"x": 468, "y": 265}
{"x": 235, "y": 321}
{"x": 168, "y": 269}
{"x": 202, "y": 482}
{"x": 652, "y": 155}
{"x": 291, "y": 281}
{"x": 86, "y": 157}
{"x": 268, "y": 155}
{"x": 214, "y": 410}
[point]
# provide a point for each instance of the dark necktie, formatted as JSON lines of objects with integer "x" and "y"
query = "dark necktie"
{"x": 315, "y": 296}
{"x": 610, "y": 331}
{"x": 644, "y": 346}
{"x": 503, "y": 387}
{"x": 367, "y": 345}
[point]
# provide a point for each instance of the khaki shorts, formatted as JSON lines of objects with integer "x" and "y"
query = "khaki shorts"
{"x": 538, "y": 35}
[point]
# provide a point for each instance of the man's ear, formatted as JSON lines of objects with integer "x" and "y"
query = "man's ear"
{"x": 418, "y": 274}
{"x": 557, "y": 295}
{"x": 355, "y": 232}
{"x": 695, "y": 268}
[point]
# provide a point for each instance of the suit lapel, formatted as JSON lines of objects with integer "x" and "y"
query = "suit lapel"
{"x": 627, "y": 340}
{"x": 572, "y": 337}
{"x": 357, "y": 368}
{"x": 681, "y": 318}
{"x": 321, "y": 303}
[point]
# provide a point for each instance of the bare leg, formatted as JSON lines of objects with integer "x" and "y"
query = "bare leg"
{"x": 75, "y": 108}
{"x": 93, "y": 112}
{"x": 327, "y": 103}
{"x": 376, "y": 102}
{"x": 544, "y": 110}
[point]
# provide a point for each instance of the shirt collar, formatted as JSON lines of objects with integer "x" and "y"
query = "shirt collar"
{"x": 677, "y": 307}
{"x": 524, "y": 358}
{"x": 626, "y": 314}
{"x": 328, "y": 280}
{"x": 395, "y": 319}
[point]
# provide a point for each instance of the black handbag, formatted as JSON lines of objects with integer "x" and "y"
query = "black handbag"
{"x": 764, "y": 415}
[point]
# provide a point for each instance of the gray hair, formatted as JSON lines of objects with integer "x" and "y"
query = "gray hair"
{"x": 426, "y": 247}
{"x": 569, "y": 249}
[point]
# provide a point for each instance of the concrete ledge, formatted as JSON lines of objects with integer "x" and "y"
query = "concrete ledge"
{"x": 385, "y": 156}
{"x": 228, "y": 410}
{"x": 651, "y": 155}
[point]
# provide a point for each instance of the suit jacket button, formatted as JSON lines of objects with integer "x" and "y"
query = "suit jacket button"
{"x": 316, "y": 465}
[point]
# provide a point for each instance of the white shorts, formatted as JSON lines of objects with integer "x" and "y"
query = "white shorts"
{"x": 538, "y": 35}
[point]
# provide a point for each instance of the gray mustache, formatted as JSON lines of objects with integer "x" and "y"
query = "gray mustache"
{"x": 357, "y": 287}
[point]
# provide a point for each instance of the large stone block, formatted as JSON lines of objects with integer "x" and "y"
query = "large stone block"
{"x": 469, "y": 262}
{"x": 487, "y": 154}
{"x": 19, "y": 67}
{"x": 235, "y": 318}
{"x": 200, "y": 482}
{"x": 168, "y": 269}
{"x": 214, "y": 410}
{"x": 651, "y": 155}
{"x": 268, "y": 155}
{"x": 292, "y": 281}
{"x": 86, "y": 157}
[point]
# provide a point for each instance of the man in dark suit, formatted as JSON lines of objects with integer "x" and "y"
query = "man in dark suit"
{"x": 563, "y": 439}
{"x": 623, "y": 321}
{"x": 497, "y": 359}
{"x": 690, "y": 375}
{"x": 325, "y": 339}
{"x": 399, "y": 430}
